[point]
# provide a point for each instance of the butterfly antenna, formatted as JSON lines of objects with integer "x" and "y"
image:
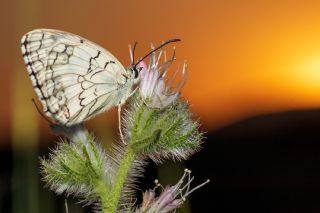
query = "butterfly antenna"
{"x": 40, "y": 112}
{"x": 154, "y": 50}
{"x": 133, "y": 50}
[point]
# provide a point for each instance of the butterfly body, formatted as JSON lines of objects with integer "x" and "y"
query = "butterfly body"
{"x": 74, "y": 78}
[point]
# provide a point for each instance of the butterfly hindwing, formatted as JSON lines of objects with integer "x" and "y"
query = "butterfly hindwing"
{"x": 74, "y": 78}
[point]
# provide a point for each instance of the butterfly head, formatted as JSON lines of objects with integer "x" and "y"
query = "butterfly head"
{"x": 133, "y": 72}
{"x": 137, "y": 67}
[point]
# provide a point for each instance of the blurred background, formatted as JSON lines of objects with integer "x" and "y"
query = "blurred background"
{"x": 254, "y": 83}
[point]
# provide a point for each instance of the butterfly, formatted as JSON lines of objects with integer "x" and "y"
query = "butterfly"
{"x": 74, "y": 78}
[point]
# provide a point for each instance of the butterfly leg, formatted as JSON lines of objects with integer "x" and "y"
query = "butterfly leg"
{"x": 134, "y": 91}
{"x": 119, "y": 114}
{"x": 119, "y": 122}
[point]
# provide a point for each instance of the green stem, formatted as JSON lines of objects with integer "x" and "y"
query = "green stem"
{"x": 121, "y": 175}
{"x": 103, "y": 191}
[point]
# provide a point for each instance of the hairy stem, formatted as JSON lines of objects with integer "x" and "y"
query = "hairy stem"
{"x": 122, "y": 173}
{"x": 103, "y": 192}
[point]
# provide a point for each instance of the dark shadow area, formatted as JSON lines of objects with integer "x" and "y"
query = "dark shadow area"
{"x": 268, "y": 163}
{"x": 5, "y": 181}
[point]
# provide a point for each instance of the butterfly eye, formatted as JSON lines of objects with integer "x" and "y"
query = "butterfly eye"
{"x": 136, "y": 72}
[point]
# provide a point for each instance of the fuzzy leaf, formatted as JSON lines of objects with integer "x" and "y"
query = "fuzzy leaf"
{"x": 78, "y": 168}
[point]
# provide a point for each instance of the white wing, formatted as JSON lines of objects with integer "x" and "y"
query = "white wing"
{"x": 74, "y": 78}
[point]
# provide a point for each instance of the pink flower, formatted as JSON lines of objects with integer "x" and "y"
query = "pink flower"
{"x": 154, "y": 89}
{"x": 171, "y": 198}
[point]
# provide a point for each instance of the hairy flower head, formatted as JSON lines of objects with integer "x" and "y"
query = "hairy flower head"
{"x": 158, "y": 124}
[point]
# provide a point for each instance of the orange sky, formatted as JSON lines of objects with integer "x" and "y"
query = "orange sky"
{"x": 245, "y": 57}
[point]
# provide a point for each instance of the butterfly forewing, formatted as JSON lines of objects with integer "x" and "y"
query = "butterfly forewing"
{"x": 74, "y": 78}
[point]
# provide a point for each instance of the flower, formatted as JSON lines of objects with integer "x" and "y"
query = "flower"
{"x": 157, "y": 123}
{"x": 153, "y": 88}
{"x": 168, "y": 200}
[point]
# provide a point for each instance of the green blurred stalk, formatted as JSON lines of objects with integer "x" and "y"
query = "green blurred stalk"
{"x": 25, "y": 178}
{"x": 25, "y": 130}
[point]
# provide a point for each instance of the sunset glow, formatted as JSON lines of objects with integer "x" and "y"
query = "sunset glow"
{"x": 244, "y": 59}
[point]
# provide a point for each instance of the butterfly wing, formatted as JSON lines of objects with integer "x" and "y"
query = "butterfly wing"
{"x": 74, "y": 78}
